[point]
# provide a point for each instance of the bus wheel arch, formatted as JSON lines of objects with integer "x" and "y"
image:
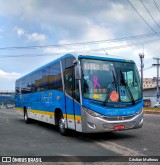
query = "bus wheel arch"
{"x": 60, "y": 121}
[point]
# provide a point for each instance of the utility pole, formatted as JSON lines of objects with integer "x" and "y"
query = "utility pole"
{"x": 141, "y": 55}
{"x": 157, "y": 65}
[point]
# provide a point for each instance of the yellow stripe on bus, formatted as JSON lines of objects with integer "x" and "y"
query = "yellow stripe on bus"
{"x": 19, "y": 109}
{"x": 51, "y": 114}
{"x": 78, "y": 117}
{"x": 37, "y": 111}
{"x": 72, "y": 117}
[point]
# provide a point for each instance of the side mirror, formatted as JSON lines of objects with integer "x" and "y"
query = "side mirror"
{"x": 77, "y": 70}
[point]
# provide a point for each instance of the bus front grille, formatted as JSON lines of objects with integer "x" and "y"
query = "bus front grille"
{"x": 117, "y": 118}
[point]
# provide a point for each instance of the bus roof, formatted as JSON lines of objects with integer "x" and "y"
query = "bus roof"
{"x": 97, "y": 57}
{"x": 105, "y": 57}
{"x": 48, "y": 64}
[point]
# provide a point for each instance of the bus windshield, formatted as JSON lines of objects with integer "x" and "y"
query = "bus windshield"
{"x": 110, "y": 81}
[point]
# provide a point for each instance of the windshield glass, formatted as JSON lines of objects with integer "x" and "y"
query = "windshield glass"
{"x": 109, "y": 81}
{"x": 129, "y": 82}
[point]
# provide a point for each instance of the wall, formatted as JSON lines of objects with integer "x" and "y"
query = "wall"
{"x": 151, "y": 94}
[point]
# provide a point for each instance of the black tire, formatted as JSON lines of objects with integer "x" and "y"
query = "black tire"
{"x": 26, "y": 119}
{"x": 61, "y": 125}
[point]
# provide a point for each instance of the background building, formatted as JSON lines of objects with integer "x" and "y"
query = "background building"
{"x": 150, "y": 93}
{"x": 150, "y": 90}
{"x": 148, "y": 83}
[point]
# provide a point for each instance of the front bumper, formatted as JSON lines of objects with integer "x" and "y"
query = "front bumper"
{"x": 91, "y": 124}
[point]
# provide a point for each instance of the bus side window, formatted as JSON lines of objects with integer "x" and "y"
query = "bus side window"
{"x": 69, "y": 81}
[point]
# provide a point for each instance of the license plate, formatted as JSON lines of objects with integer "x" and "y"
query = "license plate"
{"x": 119, "y": 127}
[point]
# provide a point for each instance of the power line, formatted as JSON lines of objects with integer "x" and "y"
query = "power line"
{"x": 156, "y": 5}
{"x": 27, "y": 55}
{"x": 149, "y": 13}
{"x": 142, "y": 18}
{"x": 149, "y": 64}
{"x": 82, "y": 43}
{"x": 148, "y": 68}
{"x": 148, "y": 61}
{"x": 99, "y": 49}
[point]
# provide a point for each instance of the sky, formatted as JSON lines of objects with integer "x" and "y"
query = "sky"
{"x": 28, "y": 23}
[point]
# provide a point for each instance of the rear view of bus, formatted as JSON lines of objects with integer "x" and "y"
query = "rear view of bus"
{"x": 111, "y": 95}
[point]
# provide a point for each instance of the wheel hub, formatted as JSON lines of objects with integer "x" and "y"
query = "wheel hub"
{"x": 62, "y": 125}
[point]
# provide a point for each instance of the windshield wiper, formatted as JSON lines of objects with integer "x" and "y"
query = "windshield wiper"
{"x": 114, "y": 78}
{"x": 126, "y": 85}
{"x": 109, "y": 89}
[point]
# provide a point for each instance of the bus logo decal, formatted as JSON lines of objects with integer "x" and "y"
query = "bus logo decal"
{"x": 95, "y": 80}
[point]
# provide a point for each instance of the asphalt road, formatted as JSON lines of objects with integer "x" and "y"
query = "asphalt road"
{"x": 39, "y": 139}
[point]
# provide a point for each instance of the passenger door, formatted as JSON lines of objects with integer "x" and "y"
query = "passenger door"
{"x": 69, "y": 91}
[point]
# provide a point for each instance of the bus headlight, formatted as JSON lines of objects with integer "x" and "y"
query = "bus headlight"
{"x": 92, "y": 113}
{"x": 140, "y": 111}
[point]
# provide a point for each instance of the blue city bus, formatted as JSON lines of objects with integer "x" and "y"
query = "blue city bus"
{"x": 84, "y": 93}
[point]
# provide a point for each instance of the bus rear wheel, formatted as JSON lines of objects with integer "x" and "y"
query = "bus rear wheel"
{"x": 61, "y": 125}
{"x": 26, "y": 119}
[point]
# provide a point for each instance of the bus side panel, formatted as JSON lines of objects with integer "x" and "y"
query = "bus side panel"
{"x": 78, "y": 117}
{"x": 70, "y": 112}
{"x": 58, "y": 102}
{"x": 41, "y": 105}
{"x": 18, "y": 105}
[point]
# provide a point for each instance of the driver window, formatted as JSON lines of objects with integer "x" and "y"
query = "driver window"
{"x": 128, "y": 77}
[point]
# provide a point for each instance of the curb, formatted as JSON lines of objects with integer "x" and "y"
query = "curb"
{"x": 151, "y": 112}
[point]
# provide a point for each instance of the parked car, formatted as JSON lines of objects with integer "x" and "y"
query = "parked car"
{"x": 157, "y": 105}
{"x": 10, "y": 106}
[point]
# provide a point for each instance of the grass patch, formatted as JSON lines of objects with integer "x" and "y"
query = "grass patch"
{"x": 151, "y": 109}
